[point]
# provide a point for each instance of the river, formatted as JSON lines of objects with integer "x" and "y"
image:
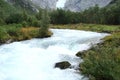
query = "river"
{"x": 35, "y": 59}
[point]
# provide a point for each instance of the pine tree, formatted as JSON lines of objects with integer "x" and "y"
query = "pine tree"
{"x": 45, "y": 20}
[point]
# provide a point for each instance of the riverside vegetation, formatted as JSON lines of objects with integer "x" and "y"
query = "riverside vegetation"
{"x": 21, "y": 26}
{"x": 101, "y": 62}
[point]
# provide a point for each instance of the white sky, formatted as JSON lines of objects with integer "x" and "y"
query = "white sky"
{"x": 60, "y": 3}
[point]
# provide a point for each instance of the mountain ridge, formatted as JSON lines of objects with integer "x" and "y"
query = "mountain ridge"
{"x": 81, "y": 5}
{"x": 73, "y": 5}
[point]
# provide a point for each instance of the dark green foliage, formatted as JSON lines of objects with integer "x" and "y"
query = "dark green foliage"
{"x": 24, "y": 24}
{"x": 13, "y": 31}
{"x": 103, "y": 62}
{"x": 3, "y": 35}
{"x": 60, "y": 16}
{"x": 36, "y": 23}
{"x": 107, "y": 15}
{"x": 14, "y": 18}
{"x": 5, "y": 9}
{"x": 39, "y": 14}
{"x": 44, "y": 24}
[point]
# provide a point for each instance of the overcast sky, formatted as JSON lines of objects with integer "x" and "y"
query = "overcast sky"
{"x": 60, "y": 3}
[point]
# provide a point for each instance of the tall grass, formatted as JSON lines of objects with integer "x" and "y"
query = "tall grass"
{"x": 103, "y": 61}
{"x": 16, "y": 32}
{"x": 90, "y": 27}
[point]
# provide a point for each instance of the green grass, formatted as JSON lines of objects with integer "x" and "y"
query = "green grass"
{"x": 90, "y": 27}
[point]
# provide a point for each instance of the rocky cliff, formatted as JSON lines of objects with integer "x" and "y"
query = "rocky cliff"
{"x": 51, "y": 4}
{"x": 23, "y": 4}
{"x": 73, "y": 5}
{"x": 80, "y": 5}
{"x": 33, "y": 5}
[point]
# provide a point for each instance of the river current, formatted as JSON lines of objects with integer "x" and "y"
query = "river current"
{"x": 35, "y": 59}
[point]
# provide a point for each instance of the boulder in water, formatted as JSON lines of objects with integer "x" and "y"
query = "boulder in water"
{"x": 62, "y": 65}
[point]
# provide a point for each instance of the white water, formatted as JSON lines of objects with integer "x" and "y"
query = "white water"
{"x": 60, "y": 3}
{"x": 35, "y": 59}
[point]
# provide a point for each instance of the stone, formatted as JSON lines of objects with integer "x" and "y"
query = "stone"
{"x": 63, "y": 65}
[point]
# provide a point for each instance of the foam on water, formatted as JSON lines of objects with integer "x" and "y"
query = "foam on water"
{"x": 35, "y": 59}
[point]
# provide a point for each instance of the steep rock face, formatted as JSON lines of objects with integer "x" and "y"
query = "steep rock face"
{"x": 34, "y": 5}
{"x": 51, "y": 4}
{"x": 24, "y": 4}
{"x": 80, "y": 5}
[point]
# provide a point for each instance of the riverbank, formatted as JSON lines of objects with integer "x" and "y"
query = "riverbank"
{"x": 101, "y": 62}
{"x": 90, "y": 27}
{"x": 15, "y": 32}
{"x": 37, "y": 57}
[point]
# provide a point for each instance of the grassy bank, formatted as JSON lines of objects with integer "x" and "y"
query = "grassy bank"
{"x": 15, "y": 32}
{"x": 90, "y": 27}
{"x": 101, "y": 62}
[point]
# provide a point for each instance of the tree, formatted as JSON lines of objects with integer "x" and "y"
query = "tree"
{"x": 39, "y": 14}
{"x": 14, "y": 18}
{"x": 45, "y": 20}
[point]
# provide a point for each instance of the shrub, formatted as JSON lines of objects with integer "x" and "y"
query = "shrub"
{"x": 36, "y": 23}
{"x": 4, "y": 36}
{"x": 13, "y": 31}
{"x": 24, "y": 24}
{"x": 103, "y": 61}
{"x": 14, "y": 18}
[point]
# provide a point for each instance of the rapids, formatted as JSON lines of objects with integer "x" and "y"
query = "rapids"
{"x": 35, "y": 59}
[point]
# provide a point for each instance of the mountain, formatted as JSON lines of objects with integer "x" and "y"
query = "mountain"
{"x": 23, "y": 5}
{"x": 50, "y": 4}
{"x": 80, "y": 5}
{"x": 73, "y": 5}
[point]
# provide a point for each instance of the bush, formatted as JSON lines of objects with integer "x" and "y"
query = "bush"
{"x": 14, "y": 18}
{"x": 43, "y": 31}
{"x": 36, "y": 23}
{"x": 13, "y": 31}
{"x": 24, "y": 24}
{"x": 4, "y": 36}
{"x": 103, "y": 61}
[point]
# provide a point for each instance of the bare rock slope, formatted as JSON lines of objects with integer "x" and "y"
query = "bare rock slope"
{"x": 80, "y": 5}
{"x": 51, "y": 4}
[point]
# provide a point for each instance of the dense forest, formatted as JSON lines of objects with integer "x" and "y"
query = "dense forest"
{"x": 106, "y": 15}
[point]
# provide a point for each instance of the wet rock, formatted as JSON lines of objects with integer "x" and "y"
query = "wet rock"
{"x": 81, "y": 54}
{"x": 63, "y": 65}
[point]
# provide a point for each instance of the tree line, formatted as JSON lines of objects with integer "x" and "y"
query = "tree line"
{"x": 108, "y": 15}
